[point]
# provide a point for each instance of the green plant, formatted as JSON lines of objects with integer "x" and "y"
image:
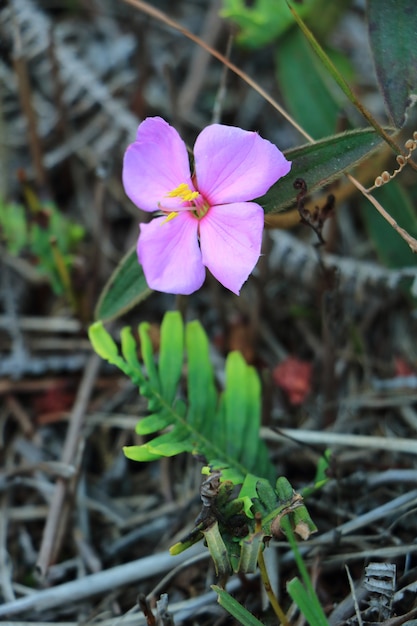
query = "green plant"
{"x": 242, "y": 503}
{"x": 43, "y": 234}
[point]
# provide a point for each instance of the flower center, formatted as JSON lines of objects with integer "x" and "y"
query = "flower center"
{"x": 196, "y": 202}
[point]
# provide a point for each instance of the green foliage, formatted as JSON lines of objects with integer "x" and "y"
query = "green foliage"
{"x": 320, "y": 163}
{"x": 223, "y": 428}
{"x": 303, "y": 593}
{"x": 263, "y": 21}
{"x": 125, "y": 288}
{"x": 392, "y": 34}
{"x": 238, "y": 611}
{"x": 32, "y": 234}
{"x": 310, "y": 94}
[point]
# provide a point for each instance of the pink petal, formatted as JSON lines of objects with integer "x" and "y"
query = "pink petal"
{"x": 230, "y": 239}
{"x": 170, "y": 254}
{"x": 234, "y": 165}
{"x": 156, "y": 163}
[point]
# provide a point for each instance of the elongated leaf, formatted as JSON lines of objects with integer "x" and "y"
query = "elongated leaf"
{"x": 171, "y": 354}
{"x": 125, "y": 288}
{"x": 309, "y": 607}
{"x": 233, "y": 607}
{"x": 148, "y": 357}
{"x": 392, "y": 35}
{"x": 320, "y": 163}
{"x": 152, "y": 423}
{"x": 103, "y": 343}
{"x": 202, "y": 395}
{"x": 242, "y": 398}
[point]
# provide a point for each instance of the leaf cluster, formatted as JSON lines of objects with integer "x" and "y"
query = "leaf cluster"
{"x": 31, "y": 230}
{"x": 222, "y": 427}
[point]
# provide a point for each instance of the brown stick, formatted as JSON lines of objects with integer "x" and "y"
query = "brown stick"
{"x": 51, "y": 538}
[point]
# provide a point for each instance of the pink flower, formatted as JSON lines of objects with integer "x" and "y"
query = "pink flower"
{"x": 207, "y": 220}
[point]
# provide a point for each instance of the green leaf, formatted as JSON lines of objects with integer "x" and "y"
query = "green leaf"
{"x": 309, "y": 607}
{"x": 217, "y": 549}
{"x": 320, "y": 163}
{"x": 152, "y": 423}
{"x": 302, "y": 79}
{"x": 202, "y": 395}
{"x": 146, "y": 348}
{"x": 125, "y": 288}
{"x": 263, "y": 21}
{"x": 232, "y": 606}
{"x": 391, "y": 249}
{"x": 171, "y": 354}
{"x": 129, "y": 348}
{"x": 139, "y": 453}
{"x": 392, "y": 35}
{"x": 243, "y": 405}
{"x": 103, "y": 343}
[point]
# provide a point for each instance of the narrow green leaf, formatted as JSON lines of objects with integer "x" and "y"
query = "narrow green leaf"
{"x": 140, "y": 454}
{"x": 103, "y": 343}
{"x": 202, "y": 395}
{"x": 320, "y": 163}
{"x": 232, "y": 606}
{"x": 125, "y": 288}
{"x": 153, "y": 423}
{"x": 392, "y": 34}
{"x": 239, "y": 404}
{"x": 171, "y": 354}
{"x": 242, "y": 412}
{"x": 308, "y": 606}
{"x": 129, "y": 348}
{"x": 148, "y": 357}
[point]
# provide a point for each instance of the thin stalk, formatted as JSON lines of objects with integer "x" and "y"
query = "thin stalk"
{"x": 269, "y": 592}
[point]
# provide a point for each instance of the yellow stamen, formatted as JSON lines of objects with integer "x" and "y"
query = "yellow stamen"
{"x": 170, "y": 217}
{"x": 184, "y": 192}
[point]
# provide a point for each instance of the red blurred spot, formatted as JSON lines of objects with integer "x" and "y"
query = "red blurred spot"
{"x": 402, "y": 368}
{"x": 294, "y": 378}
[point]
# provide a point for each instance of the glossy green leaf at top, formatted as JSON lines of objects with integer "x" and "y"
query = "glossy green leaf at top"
{"x": 318, "y": 164}
{"x": 392, "y": 35}
{"x": 125, "y": 288}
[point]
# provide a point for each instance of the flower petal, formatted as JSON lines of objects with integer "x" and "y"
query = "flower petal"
{"x": 234, "y": 165}
{"x": 230, "y": 240}
{"x": 170, "y": 254}
{"x": 156, "y": 163}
